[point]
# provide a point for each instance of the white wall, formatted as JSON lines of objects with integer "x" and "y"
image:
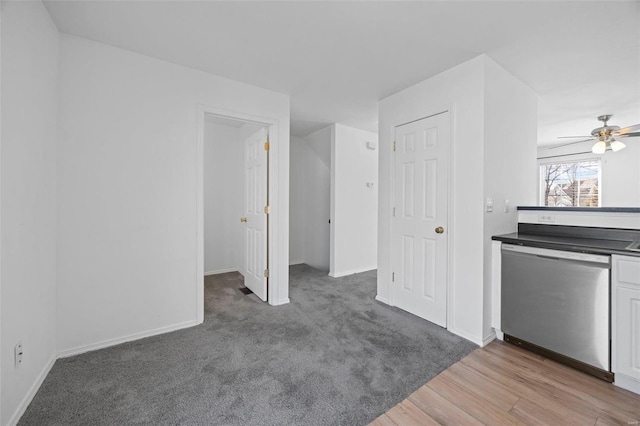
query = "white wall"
{"x": 223, "y": 198}
{"x": 510, "y": 138}
{"x": 354, "y": 205}
{"x": 620, "y": 186}
{"x": 128, "y": 191}
{"x": 310, "y": 199}
{"x": 317, "y": 199}
{"x": 460, "y": 90}
{"x": 297, "y": 191}
{"x": 28, "y": 208}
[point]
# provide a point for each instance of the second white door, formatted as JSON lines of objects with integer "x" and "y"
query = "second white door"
{"x": 255, "y": 233}
{"x": 419, "y": 236}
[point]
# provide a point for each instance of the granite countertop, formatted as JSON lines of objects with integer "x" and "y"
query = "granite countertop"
{"x": 582, "y": 245}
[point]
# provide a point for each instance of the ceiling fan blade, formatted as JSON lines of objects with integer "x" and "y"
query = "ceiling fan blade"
{"x": 574, "y": 137}
{"x": 570, "y": 143}
{"x": 628, "y": 135}
{"x": 628, "y": 132}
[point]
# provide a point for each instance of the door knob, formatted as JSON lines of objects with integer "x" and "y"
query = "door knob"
{"x": 243, "y": 219}
{"x": 439, "y": 230}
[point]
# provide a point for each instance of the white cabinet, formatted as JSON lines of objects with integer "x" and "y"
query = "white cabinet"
{"x": 625, "y": 321}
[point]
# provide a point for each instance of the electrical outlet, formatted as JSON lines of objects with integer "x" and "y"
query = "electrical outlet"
{"x": 17, "y": 351}
{"x": 546, "y": 218}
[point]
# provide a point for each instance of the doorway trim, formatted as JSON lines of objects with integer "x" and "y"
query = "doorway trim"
{"x": 450, "y": 204}
{"x": 278, "y": 289}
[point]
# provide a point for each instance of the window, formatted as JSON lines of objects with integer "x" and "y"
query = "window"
{"x": 570, "y": 183}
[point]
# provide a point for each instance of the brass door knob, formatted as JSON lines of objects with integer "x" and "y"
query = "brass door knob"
{"x": 243, "y": 219}
{"x": 439, "y": 230}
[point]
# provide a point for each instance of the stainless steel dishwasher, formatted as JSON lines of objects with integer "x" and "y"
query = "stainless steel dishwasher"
{"x": 557, "y": 303}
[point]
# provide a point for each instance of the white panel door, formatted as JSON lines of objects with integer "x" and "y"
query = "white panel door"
{"x": 255, "y": 219}
{"x": 419, "y": 236}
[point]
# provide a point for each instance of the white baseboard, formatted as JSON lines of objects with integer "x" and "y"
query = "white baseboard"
{"x": 477, "y": 340}
{"x": 383, "y": 300}
{"x": 626, "y": 382}
{"x": 281, "y": 302}
{"x": 112, "y": 342}
{"x": 296, "y": 262}
{"x": 220, "y": 271}
{"x": 488, "y": 339}
{"x": 353, "y": 271}
{"x": 499, "y": 334}
{"x": 22, "y": 407}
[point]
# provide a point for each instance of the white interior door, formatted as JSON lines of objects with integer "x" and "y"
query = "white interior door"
{"x": 255, "y": 219}
{"x": 419, "y": 236}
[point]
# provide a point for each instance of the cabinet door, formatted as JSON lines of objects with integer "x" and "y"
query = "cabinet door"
{"x": 626, "y": 322}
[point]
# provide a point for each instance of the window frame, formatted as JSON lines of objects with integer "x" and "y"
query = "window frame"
{"x": 569, "y": 158}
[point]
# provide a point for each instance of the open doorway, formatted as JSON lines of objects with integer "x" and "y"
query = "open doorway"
{"x": 235, "y": 172}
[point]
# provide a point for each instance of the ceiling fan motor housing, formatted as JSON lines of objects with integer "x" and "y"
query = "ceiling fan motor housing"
{"x": 604, "y": 131}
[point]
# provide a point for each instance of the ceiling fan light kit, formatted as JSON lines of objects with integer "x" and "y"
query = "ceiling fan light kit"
{"x": 604, "y": 136}
{"x": 599, "y": 147}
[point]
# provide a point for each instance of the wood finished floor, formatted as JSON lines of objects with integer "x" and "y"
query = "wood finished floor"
{"x": 503, "y": 384}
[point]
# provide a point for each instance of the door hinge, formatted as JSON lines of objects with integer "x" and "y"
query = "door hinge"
{"x": 267, "y": 209}
{"x": 267, "y": 145}
{"x": 394, "y": 146}
{"x": 393, "y": 277}
{"x": 266, "y": 273}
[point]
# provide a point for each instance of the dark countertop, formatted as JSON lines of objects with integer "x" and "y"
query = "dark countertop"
{"x": 583, "y": 209}
{"x": 582, "y": 245}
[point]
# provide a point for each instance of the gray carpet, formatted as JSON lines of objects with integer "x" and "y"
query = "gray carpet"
{"x": 333, "y": 356}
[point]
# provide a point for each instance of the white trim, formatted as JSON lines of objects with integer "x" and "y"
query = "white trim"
{"x": 22, "y": 407}
{"x": 477, "y": 340}
{"x": 351, "y": 272}
{"x": 278, "y": 276}
{"x": 627, "y": 382}
{"x": 488, "y": 339}
{"x": 383, "y": 300}
{"x": 221, "y": 271}
{"x": 451, "y": 110}
{"x": 118, "y": 340}
{"x": 450, "y": 209}
{"x": 499, "y": 334}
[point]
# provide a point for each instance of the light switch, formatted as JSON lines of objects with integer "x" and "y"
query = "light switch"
{"x": 507, "y": 208}
{"x": 489, "y": 205}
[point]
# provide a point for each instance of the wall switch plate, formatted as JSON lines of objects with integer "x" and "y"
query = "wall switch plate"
{"x": 17, "y": 352}
{"x": 507, "y": 207}
{"x": 489, "y": 205}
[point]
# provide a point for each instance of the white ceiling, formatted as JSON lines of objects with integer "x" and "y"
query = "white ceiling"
{"x": 337, "y": 59}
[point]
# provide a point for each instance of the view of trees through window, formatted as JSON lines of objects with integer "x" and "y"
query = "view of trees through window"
{"x": 570, "y": 184}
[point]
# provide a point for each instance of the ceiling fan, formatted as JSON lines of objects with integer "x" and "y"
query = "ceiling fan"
{"x": 606, "y": 137}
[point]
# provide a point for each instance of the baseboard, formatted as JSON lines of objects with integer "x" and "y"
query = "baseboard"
{"x": 383, "y": 300}
{"x": 488, "y": 339}
{"x": 499, "y": 334}
{"x": 281, "y": 302}
{"x": 112, "y": 342}
{"x": 473, "y": 339}
{"x": 626, "y": 382}
{"x": 22, "y": 407}
{"x": 220, "y": 271}
{"x": 296, "y": 262}
{"x": 351, "y": 272}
